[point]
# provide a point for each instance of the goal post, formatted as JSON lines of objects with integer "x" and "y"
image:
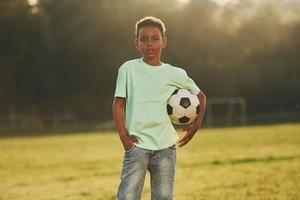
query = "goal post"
{"x": 230, "y": 104}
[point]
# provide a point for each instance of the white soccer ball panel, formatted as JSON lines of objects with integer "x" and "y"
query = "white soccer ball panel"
{"x": 183, "y": 93}
{"x": 179, "y": 111}
{"x": 194, "y": 100}
{"x": 174, "y": 100}
{"x": 174, "y": 119}
{"x": 190, "y": 112}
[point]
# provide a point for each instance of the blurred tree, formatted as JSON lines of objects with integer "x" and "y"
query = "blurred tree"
{"x": 60, "y": 55}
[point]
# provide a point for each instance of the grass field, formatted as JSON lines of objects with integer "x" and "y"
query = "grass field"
{"x": 259, "y": 162}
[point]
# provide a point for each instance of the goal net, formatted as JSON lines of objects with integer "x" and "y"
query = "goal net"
{"x": 227, "y": 111}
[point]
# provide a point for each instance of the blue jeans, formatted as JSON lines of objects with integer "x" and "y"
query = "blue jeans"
{"x": 160, "y": 164}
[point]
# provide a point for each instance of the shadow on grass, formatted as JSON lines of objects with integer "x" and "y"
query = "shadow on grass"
{"x": 268, "y": 159}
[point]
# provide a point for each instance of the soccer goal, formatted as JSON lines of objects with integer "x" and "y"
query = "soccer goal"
{"x": 231, "y": 110}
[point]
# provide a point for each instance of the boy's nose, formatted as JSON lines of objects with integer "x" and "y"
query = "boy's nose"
{"x": 149, "y": 43}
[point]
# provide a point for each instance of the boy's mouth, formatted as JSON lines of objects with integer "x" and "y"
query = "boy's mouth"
{"x": 150, "y": 51}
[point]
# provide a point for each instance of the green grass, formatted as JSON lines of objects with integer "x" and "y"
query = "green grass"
{"x": 261, "y": 162}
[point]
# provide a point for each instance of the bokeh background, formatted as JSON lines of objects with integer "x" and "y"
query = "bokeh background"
{"x": 58, "y": 67}
{"x": 59, "y": 59}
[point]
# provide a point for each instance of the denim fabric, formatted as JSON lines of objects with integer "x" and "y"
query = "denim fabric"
{"x": 160, "y": 164}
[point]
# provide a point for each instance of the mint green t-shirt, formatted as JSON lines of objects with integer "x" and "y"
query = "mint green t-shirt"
{"x": 147, "y": 89}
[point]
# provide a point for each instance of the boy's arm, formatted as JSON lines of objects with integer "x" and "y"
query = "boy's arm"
{"x": 191, "y": 130}
{"x": 119, "y": 118}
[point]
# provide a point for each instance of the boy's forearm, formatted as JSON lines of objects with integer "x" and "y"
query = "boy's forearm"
{"x": 202, "y": 99}
{"x": 191, "y": 130}
{"x": 119, "y": 118}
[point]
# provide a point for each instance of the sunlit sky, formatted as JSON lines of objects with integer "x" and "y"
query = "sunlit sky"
{"x": 285, "y": 10}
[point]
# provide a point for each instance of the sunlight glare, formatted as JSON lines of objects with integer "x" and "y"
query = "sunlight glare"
{"x": 32, "y": 2}
{"x": 184, "y": 1}
{"x": 225, "y": 2}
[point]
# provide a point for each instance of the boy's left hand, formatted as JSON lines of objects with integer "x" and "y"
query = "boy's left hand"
{"x": 190, "y": 132}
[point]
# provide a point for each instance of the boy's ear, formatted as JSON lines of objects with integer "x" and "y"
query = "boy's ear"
{"x": 165, "y": 41}
{"x": 136, "y": 44}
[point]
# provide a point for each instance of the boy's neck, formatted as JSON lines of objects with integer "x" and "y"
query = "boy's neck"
{"x": 153, "y": 62}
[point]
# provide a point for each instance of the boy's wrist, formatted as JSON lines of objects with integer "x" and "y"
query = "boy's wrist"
{"x": 127, "y": 141}
{"x": 124, "y": 136}
{"x": 198, "y": 121}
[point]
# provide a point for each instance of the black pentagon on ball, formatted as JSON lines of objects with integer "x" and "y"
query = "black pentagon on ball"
{"x": 175, "y": 92}
{"x": 169, "y": 109}
{"x": 185, "y": 102}
{"x": 198, "y": 109}
{"x": 184, "y": 120}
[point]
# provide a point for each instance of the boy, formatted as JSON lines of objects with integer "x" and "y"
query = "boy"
{"x": 142, "y": 90}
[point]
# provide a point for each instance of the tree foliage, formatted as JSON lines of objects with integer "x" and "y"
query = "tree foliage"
{"x": 64, "y": 55}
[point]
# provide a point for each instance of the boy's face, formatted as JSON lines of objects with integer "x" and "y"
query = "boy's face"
{"x": 150, "y": 42}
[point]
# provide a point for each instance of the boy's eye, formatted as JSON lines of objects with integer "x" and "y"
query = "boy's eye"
{"x": 145, "y": 39}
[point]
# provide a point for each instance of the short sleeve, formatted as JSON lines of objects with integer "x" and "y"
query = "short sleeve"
{"x": 121, "y": 83}
{"x": 188, "y": 83}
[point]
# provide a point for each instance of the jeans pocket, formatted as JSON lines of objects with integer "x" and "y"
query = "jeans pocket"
{"x": 129, "y": 150}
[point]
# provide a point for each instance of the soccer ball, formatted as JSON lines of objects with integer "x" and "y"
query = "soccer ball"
{"x": 183, "y": 107}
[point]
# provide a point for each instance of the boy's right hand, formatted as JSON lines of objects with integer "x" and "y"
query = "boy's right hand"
{"x": 129, "y": 142}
